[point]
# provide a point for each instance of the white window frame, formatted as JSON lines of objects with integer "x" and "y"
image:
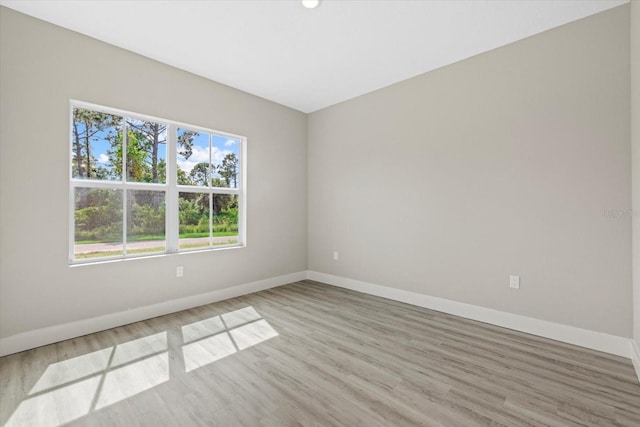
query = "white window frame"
{"x": 171, "y": 188}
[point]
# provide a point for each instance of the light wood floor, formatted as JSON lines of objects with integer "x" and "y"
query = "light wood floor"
{"x": 313, "y": 354}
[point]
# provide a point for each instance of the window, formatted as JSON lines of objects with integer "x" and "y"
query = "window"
{"x": 144, "y": 186}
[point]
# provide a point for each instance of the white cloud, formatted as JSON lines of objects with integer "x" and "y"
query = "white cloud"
{"x": 217, "y": 155}
{"x": 103, "y": 158}
{"x": 199, "y": 155}
{"x": 230, "y": 142}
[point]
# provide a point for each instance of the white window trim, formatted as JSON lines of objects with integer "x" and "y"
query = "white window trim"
{"x": 170, "y": 188}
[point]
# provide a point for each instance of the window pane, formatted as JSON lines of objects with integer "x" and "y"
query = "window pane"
{"x": 146, "y": 151}
{"x": 194, "y": 220}
{"x": 224, "y": 156}
{"x": 193, "y": 158}
{"x": 96, "y": 140}
{"x": 98, "y": 223}
{"x": 145, "y": 221}
{"x": 225, "y": 219}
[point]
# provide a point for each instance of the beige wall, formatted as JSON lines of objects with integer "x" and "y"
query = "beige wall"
{"x": 635, "y": 142}
{"x": 505, "y": 163}
{"x": 42, "y": 67}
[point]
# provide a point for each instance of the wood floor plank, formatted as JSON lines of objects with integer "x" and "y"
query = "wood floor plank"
{"x": 310, "y": 354}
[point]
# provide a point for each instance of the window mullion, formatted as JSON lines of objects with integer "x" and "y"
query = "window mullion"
{"x": 209, "y": 184}
{"x": 210, "y": 219}
{"x": 125, "y": 213}
{"x": 171, "y": 200}
{"x": 72, "y": 191}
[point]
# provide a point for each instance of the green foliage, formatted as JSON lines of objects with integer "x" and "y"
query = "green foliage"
{"x": 194, "y": 218}
{"x": 190, "y": 213}
{"x": 226, "y": 221}
{"x": 98, "y": 215}
{"x": 183, "y": 178}
{"x": 228, "y": 170}
{"x": 200, "y": 174}
{"x": 137, "y": 169}
{"x": 145, "y": 219}
{"x": 101, "y": 220}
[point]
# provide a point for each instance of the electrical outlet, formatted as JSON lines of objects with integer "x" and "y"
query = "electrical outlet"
{"x": 514, "y": 282}
{"x": 335, "y": 255}
{"x": 179, "y": 271}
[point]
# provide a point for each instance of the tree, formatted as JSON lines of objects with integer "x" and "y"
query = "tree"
{"x": 221, "y": 202}
{"x": 151, "y": 135}
{"x": 183, "y": 178}
{"x": 136, "y": 155}
{"x": 229, "y": 169}
{"x": 200, "y": 174}
{"x": 87, "y": 125}
{"x": 185, "y": 141}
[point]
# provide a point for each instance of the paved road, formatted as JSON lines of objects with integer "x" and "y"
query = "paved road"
{"x": 104, "y": 247}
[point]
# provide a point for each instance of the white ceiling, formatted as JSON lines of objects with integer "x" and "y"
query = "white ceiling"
{"x": 310, "y": 59}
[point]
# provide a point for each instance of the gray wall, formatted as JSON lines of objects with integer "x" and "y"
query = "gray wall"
{"x": 505, "y": 163}
{"x": 42, "y": 67}
{"x": 635, "y": 142}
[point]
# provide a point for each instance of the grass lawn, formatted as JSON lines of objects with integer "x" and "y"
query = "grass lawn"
{"x": 149, "y": 237}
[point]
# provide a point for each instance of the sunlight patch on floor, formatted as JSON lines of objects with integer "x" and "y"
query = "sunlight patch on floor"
{"x": 127, "y": 381}
{"x": 137, "y": 349}
{"x": 202, "y": 329}
{"x": 240, "y": 317}
{"x": 252, "y": 334}
{"x": 56, "y": 407}
{"x": 70, "y": 389}
{"x": 207, "y": 351}
{"x": 67, "y": 371}
{"x": 212, "y": 339}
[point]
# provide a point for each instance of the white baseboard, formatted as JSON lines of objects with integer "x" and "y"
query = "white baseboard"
{"x": 612, "y": 344}
{"x": 39, "y": 337}
{"x": 635, "y": 357}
